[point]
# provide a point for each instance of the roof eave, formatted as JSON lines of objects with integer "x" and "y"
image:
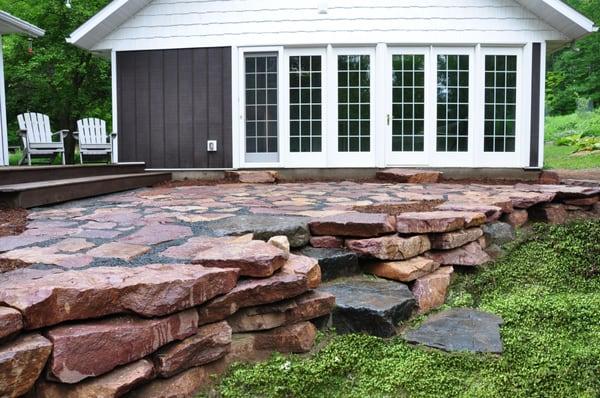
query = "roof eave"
{"x": 21, "y": 26}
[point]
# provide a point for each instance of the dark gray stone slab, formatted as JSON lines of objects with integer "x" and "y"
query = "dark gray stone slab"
{"x": 264, "y": 227}
{"x": 460, "y": 329}
{"x": 368, "y": 305}
{"x": 499, "y": 233}
{"x": 334, "y": 263}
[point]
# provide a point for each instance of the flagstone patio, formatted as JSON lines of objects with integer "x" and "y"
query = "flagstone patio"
{"x": 163, "y": 224}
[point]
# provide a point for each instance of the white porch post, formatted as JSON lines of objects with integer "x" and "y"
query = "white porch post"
{"x": 3, "y": 124}
{"x": 115, "y": 107}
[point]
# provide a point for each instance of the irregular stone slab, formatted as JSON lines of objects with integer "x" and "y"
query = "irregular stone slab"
{"x": 280, "y": 242}
{"x": 428, "y": 222}
{"x": 396, "y": 208}
{"x": 452, "y": 240}
{"x": 364, "y": 305}
{"x": 549, "y": 177}
{"x": 550, "y": 213}
{"x": 255, "y": 258}
{"x": 308, "y": 306}
{"x": 108, "y": 343}
{"x": 430, "y": 290}
{"x": 189, "y": 249}
{"x": 252, "y": 292}
{"x": 297, "y": 338}
{"x": 492, "y": 213}
{"x": 410, "y": 176}
{"x": 97, "y": 234}
{"x": 403, "y": 271}
{"x": 525, "y": 200}
{"x": 21, "y": 362}
{"x": 12, "y": 242}
{"x": 11, "y": 322}
{"x": 469, "y": 255}
{"x": 592, "y": 200}
{"x": 111, "y": 385}
{"x": 305, "y": 266}
{"x": 47, "y": 255}
{"x": 72, "y": 245}
{"x": 360, "y": 225}
{"x": 390, "y": 247}
{"x": 264, "y": 227}
{"x": 516, "y": 219}
{"x": 562, "y": 192}
{"x": 209, "y": 344}
{"x": 460, "y": 329}
{"x": 124, "y": 251}
{"x": 186, "y": 384}
{"x": 327, "y": 242}
{"x": 334, "y": 263}
{"x": 152, "y": 290}
{"x": 499, "y": 233}
{"x": 253, "y": 177}
{"x": 154, "y": 234}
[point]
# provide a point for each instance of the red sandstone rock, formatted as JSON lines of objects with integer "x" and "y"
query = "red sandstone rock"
{"x": 183, "y": 385}
{"x": 305, "y": 266}
{"x": 517, "y": 219}
{"x": 430, "y": 290}
{"x": 492, "y": 213}
{"x": 124, "y": 251}
{"x": 309, "y": 306}
{"x": 154, "y": 234}
{"x": 390, "y": 247}
{"x": 428, "y": 222}
{"x": 551, "y": 213}
{"x": 253, "y": 177}
{"x": 251, "y": 292}
{"x": 410, "y": 176}
{"x": 469, "y": 255}
{"x": 583, "y": 201}
{"x": 403, "y": 271}
{"x": 255, "y": 258}
{"x": 11, "y": 322}
{"x": 97, "y": 347}
{"x": 193, "y": 246}
{"x": 549, "y": 177}
{"x": 361, "y": 225}
{"x": 151, "y": 290}
{"x": 21, "y": 362}
{"x": 452, "y": 240}
{"x": 111, "y": 385}
{"x": 209, "y": 344}
{"x": 327, "y": 242}
{"x": 525, "y": 200}
{"x": 295, "y": 338}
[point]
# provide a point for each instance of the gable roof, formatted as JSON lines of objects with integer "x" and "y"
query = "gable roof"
{"x": 557, "y": 14}
{"x": 11, "y": 24}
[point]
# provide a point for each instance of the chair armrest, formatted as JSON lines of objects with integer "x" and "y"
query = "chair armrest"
{"x": 23, "y": 133}
{"x": 113, "y": 135}
{"x": 76, "y": 135}
{"x": 62, "y": 132}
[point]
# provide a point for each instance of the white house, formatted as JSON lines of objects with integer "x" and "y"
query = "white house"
{"x": 218, "y": 84}
{"x": 10, "y": 24}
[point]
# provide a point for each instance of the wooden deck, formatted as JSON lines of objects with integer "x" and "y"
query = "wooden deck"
{"x": 37, "y": 186}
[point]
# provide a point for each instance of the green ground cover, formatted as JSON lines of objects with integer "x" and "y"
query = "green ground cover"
{"x": 547, "y": 289}
{"x": 573, "y": 141}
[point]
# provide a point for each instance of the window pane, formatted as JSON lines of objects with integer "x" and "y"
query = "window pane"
{"x": 500, "y": 103}
{"x": 408, "y": 104}
{"x": 453, "y": 103}
{"x": 305, "y": 118}
{"x": 354, "y": 105}
{"x": 261, "y": 103}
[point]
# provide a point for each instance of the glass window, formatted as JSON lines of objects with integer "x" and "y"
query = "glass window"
{"x": 261, "y": 103}
{"x": 354, "y": 106}
{"x": 452, "y": 103}
{"x": 500, "y": 103}
{"x": 408, "y": 103}
{"x": 305, "y": 103}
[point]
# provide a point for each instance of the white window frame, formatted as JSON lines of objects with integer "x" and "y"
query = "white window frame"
{"x": 408, "y": 158}
{"x": 304, "y": 159}
{"x": 242, "y": 103}
{"x": 453, "y": 159}
{"x": 350, "y": 159}
{"x": 500, "y": 159}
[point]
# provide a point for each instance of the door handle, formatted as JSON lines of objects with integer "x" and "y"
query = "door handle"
{"x": 388, "y": 119}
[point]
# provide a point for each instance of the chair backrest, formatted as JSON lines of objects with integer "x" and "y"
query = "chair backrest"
{"x": 37, "y": 126}
{"x": 92, "y": 131}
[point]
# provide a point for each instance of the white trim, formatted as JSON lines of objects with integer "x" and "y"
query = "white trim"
{"x": 115, "y": 106}
{"x": 542, "y": 123}
{"x": 4, "y": 157}
{"x": 236, "y": 115}
{"x": 17, "y": 25}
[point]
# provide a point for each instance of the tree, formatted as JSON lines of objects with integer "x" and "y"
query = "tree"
{"x": 53, "y": 76}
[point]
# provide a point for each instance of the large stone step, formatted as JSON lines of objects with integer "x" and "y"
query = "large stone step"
{"x": 334, "y": 263}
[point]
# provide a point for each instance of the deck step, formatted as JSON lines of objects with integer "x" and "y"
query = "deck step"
{"x": 22, "y": 174}
{"x": 40, "y": 193}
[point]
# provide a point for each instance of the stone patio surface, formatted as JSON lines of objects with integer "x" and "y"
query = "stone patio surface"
{"x": 167, "y": 225}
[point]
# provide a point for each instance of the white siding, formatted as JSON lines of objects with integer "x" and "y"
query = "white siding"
{"x": 207, "y": 23}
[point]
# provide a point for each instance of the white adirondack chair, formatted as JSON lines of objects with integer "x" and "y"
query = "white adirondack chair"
{"x": 93, "y": 138}
{"x": 38, "y": 137}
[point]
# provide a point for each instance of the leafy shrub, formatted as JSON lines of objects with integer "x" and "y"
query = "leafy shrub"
{"x": 586, "y": 124}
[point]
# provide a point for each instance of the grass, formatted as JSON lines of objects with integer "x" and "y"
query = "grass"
{"x": 564, "y": 157}
{"x": 547, "y": 289}
{"x": 561, "y": 157}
